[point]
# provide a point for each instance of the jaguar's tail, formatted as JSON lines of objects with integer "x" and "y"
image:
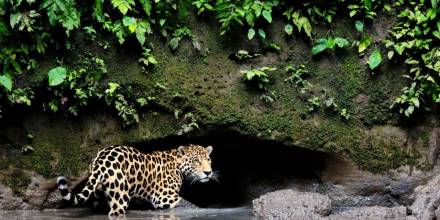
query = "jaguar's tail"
{"x": 80, "y": 197}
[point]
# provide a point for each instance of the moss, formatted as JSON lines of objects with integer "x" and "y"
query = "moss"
{"x": 209, "y": 86}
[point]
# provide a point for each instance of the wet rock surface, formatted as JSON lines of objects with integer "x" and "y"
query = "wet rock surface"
{"x": 372, "y": 212}
{"x": 427, "y": 200}
{"x": 289, "y": 204}
{"x": 9, "y": 201}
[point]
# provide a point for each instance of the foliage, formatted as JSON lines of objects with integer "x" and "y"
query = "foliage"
{"x": 329, "y": 43}
{"x": 415, "y": 41}
{"x": 297, "y": 76}
{"x": 375, "y": 59}
{"x": 244, "y": 13}
{"x": 189, "y": 123}
{"x": 269, "y": 97}
{"x": 126, "y": 108}
{"x": 56, "y": 75}
{"x": 243, "y": 55}
{"x": 203, "y": 5}
{"x": 30, "y": 29}
{"x": 147, "y": 59}
{"x": 258, "y": 75}
{"x": 409, "y": 100}
{"x": 344, "y": 114}
{"x": 314, "y": 103}
{"x": 301, "y": 23}
{"x": 179, "y": 34}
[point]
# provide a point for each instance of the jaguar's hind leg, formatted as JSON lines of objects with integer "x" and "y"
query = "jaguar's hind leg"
{"x": 118, "y": 198}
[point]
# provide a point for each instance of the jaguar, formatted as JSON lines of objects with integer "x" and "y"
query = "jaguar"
{"x": 124, "y": 173}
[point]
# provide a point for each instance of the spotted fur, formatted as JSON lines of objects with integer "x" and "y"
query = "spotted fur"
{"x": 123, "y": 173}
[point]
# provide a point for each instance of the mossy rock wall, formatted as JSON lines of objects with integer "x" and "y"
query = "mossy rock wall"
{"x": 209, "y": 85}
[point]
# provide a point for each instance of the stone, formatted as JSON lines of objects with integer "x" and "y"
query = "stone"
{"x": 372, "y": 212}
{"x": 290, "y": 204}
{"x": 9, "y": 201}
{"x": 427, "y": 200}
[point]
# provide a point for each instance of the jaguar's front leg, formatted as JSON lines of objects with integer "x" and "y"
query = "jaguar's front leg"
{"x": 166, "y": 201}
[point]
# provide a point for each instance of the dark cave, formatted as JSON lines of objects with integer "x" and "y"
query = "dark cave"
{"x": 247, "y": 167}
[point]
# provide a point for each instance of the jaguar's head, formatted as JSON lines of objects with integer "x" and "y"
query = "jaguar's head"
{"x": 196, "y": 163}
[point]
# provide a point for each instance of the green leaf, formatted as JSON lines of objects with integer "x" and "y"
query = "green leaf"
{"x": 364, "y": 44}
{"x": 352, "y": 13}
{"x": 288, "y": 29}
{"x": 123, "y": 5}
{"x": 251, "y": 33}
{"x": 152, "y": 60}
{"x": 6, "y": 82}
{"x": 130, "y": 23}
{"x": 434, "y": 3}
{"x": 250, "y": 18}
{"x": 162, "y": 22}
{"x": 56, "y": 76}
{"x": 140, "y": 34}
{"x": 359, "y": 26}
{"x": 436, "y": 34}
{"x": 368, "y": 4}
{"x": 341, "y": 42}
{"x": 330, "y": 43}
{"x": 375, "y": 59}
{"x": 409, "y": 111}
{"x": 320, "y": 46}
{"x": 174, "y": 43}
{"x": 262, "y": 33}
{"x": 146, "y": 5}
{"x": 267, "y": 15}
{"x": 390, "y": 54}
{"x": 14, "y": 19}
{"x": 307, "y": 26}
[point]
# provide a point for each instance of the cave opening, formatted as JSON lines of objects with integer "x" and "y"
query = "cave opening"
{"x": 248, "y": 167}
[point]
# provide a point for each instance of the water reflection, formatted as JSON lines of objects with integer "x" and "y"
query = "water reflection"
{"x": 172, "y": 214}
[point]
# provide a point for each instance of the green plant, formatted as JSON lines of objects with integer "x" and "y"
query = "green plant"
{"x": 344, "y": 114}
{"x": 258, "y": 76}
{"x": 328, "y": 43}
{"x": 242, "y": 55}
{"x": 189, "y": 124}
{"x": 269, "y": 97}
{"x": 301, "y": 23}
{"x": 274, "y": 47}
{"x": 414, "y": 41}
{"x": 314, "y": 103}
{"x": 179, "y": 34}
{"x": 147, "y": 58}
{"x": 125, "y": 108}
{"x": 244, "y": 13}
{"x": 298, "y": 75}
{"x": 203, "y": 5}
{"x": 409, "y": 100}
{"x": 375, "y": 59}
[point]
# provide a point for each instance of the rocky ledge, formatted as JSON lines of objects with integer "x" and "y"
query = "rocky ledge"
{"x": 292, "y": 204}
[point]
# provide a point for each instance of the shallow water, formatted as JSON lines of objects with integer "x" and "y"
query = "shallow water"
{"x": 241, "y": 213}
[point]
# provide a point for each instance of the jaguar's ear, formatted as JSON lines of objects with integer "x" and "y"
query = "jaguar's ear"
{"x": 209, "y": 149}
{"x": 181, "y": 150}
